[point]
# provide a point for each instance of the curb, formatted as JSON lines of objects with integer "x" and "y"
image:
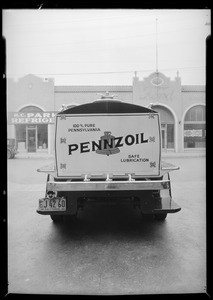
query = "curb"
{"x": 183, "y": 155}
{"x": 35, "y": 156}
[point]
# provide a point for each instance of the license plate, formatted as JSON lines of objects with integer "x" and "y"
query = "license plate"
{"x": 55, "y": 204}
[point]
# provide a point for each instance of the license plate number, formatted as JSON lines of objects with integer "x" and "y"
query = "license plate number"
{"x": 55, "y": 204}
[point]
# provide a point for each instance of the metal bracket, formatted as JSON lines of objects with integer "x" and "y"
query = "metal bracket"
{"x": 108, "y": 178}
{"x": 86, "y": 178}
{"x": 130, "y": 177}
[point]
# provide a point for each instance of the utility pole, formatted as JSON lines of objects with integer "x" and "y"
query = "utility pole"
{"x": 156, "y": 45}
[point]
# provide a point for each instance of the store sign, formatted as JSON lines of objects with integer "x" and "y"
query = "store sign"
{"x": 193, "y": 133}
{"x": 31, "y": 117}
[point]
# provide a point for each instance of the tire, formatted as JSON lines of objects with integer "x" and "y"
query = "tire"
{"x": 160, "y": 217}
{"x": 9, "y": 155}
{"x": 57, "y": 218}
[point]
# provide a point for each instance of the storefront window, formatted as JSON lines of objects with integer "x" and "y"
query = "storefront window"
{"x": 21, "y": 137}
{"x": 31, "y": 137}
{"x": 194, "y": 135}
{"x": 195, "y": 128}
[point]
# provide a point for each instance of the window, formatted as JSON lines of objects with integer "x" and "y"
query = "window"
{"x": 42, "y": 140}
{"x": 29, "y": 109}
{"x": 195, "y": 128}
{"x": 196, "y": 114}
{"x": 21, "y": 137}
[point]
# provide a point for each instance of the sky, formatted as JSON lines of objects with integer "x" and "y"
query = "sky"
{"x": 106, "y": 46}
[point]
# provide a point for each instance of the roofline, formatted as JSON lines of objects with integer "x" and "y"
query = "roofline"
{"x": 90, "y": 88}
{"x": 117, "y": 88}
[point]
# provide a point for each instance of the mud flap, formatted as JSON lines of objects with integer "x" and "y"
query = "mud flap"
{"x": 166, "y": 205}
{"x": 146, "y": 202}
{"x": 158, "y": 202}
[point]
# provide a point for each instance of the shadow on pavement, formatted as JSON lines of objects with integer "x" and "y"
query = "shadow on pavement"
{"x": 115, "y": 222}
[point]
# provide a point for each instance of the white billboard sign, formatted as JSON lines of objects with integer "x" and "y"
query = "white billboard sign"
{"x": 112, "y": 144}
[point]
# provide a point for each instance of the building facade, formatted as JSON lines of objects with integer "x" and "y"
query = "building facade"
{"x": 32, "y": 103}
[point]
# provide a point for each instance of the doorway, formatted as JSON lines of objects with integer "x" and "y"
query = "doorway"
{"x": 164, "y": 137}
{"x": 31, "y": 139}
{"x": 167, "y": 127}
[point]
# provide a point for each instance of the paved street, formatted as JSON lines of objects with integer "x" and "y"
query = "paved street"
{"x": 109, "y": 249}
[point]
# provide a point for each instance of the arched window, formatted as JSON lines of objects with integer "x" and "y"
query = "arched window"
{"x": 195, "y": 127}
{"x": 196, "y": 114}
{"x": 167, "y": 126}
{"x": 30, "y": 108}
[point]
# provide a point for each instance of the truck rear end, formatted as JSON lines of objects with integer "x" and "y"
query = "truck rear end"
{"x": 107, "y": 150}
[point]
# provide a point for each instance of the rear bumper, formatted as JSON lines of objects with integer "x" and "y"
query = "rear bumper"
{"x": 108, "y": 185}
{"x": 139, "y": 193}
{"x": 164, "y": 205}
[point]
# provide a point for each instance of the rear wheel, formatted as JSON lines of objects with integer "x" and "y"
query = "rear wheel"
{"x": 160, "y": 217}
{"x": 56, "y": 218}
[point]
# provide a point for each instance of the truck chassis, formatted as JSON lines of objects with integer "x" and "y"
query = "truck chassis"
{"x": 152, "y": 196}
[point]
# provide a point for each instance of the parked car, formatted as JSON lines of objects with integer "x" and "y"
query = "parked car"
{"x": 11, "y": 148}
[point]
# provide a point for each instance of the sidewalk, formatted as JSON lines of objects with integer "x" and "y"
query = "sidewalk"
{"x": 164, "y": 155}
{"x": 184, "y": 154}
{"x": 34, "y": 155}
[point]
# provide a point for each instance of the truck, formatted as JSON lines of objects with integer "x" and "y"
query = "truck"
{"x": 107, "y": 150}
